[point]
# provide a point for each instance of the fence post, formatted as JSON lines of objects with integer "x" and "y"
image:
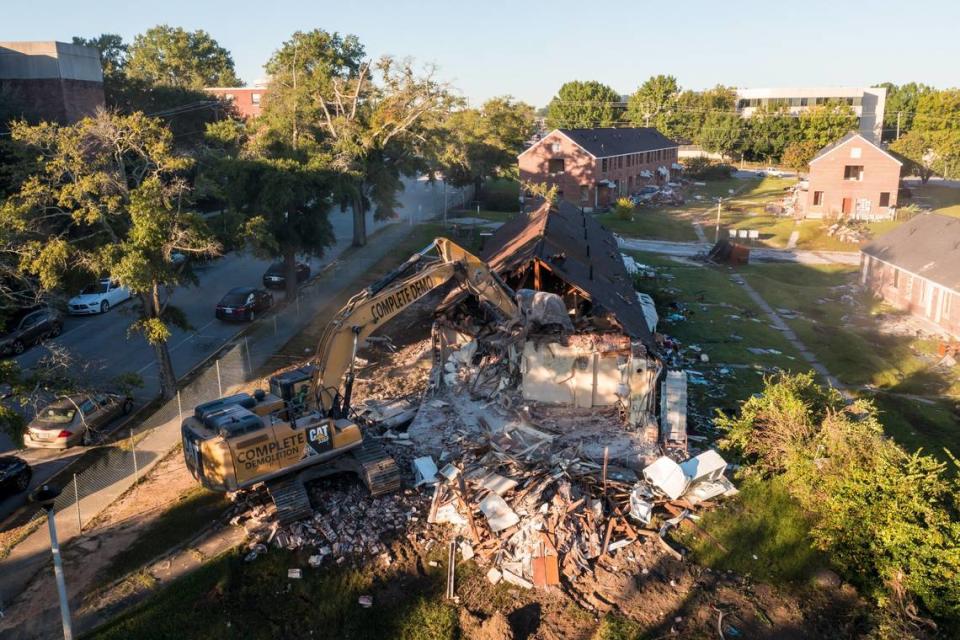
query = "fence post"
{"x": 179, "y": 407}
{"x": 133, "y": 449}
{"x": 76, "y": 497}
{"x": 246, "y": 348}
{"x": 219, "y": 384}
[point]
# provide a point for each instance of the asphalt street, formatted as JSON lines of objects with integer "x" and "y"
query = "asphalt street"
{"x": 105, "y": 347}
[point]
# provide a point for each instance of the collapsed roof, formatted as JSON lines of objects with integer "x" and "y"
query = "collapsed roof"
{"x": 578, "y": 250}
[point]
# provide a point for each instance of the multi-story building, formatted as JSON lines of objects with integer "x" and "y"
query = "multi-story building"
{"x": 246, "y": 100}
{"x": 593, "y": 167}
{"x": 867, "y": 102}
{"x": 916, "y": 268}
{"x": 51, "y": 81}
{"x": 852, "y": 177}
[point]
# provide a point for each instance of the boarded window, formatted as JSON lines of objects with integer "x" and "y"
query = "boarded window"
{"x": 603, "y": 165}
{"x": 853, "y": 172}
{"x": 896, "y": 278}
{"x": 817, "y": 198}
{"x": 884, "y": 198}
{"x": 555, "y": 147}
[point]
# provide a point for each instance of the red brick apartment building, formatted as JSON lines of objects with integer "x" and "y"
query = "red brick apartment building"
{"x": 593, "y": 167}
{"x": 852, "y": 177}
{"x": 916, "y": 267}
{"x": 246, "y": 100}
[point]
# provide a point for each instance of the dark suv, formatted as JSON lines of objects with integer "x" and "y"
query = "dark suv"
{"x": 26, "y": 327}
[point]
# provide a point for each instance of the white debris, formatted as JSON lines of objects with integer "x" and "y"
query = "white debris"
{"x": 499, "y": 514}
{"x": 667, "y": 476}
{"x": 424, "y": 471}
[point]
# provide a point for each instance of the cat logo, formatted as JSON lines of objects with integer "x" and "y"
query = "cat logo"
{"x": 319, "y": 437}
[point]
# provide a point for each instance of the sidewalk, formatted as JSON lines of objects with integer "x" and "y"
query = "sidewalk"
{"x": 33, "y": 554}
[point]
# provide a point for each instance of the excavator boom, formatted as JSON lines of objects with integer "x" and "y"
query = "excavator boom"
{"x": 379, "y": 302}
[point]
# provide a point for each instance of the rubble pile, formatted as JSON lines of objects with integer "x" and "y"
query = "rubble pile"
{"x": 850, "y": 233}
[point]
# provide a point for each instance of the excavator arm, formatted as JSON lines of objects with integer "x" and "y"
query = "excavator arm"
{"x": 379, "y": 302}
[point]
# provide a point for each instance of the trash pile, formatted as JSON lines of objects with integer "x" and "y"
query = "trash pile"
{"x": 848, "y": 232}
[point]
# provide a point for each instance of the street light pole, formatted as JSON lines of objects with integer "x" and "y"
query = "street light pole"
{"x": 45, "y": 497}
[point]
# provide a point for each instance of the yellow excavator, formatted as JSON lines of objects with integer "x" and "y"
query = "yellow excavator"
{"x": 302, "y": 428}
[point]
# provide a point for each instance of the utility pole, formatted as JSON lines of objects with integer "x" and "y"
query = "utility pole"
{"x": 898, "y": 125}
{"x": 716, "y": 235}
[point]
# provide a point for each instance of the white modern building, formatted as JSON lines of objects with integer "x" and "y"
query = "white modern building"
{"x": 867, "y": 102}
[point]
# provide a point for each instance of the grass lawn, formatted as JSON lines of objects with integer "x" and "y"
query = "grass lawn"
{"x": 230, "y": 598}
{"x": 764, "y": 532}
{"x": 845, "y": 339}
{"x": 941, "y": 199}
{"x": 675, "y": 225}
{"x": 724, "y": 322}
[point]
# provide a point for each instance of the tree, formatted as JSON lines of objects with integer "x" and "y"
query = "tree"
{"x": 769, "y": 131}
{"x": 479, "y": 143}
{"x": 174, "y": 57}
{"x": 652, "y": 104}
{"x": 721, "y": 133}
{"x": 938, "y": 111}
{"x": 918, "y": 149}
{"x": 900, "y": 107}
{"x": 797, "y": 156}
{"x": 109, "y": 198}
{"x": 584, "y": 104}
{"x": 379, "y": 124}
{"x": 825, "y": 124}
{"x": 113, "y": 54}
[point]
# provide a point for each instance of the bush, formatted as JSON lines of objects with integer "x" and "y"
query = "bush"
{"x": 889, "y": 519}
{"x": 501, "y": 201}
{"x": 702, "y": 168}
{"x": 623, "y": 209}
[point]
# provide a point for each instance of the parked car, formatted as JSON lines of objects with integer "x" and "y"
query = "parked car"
{"x": 26, "y": 327}
{"x": 243, "y": 303}
{"x": 98, "y": 298}
{"x": 71, "y": 420}
{"x": 276, "y": 276}
{"x": 15, "y": 474}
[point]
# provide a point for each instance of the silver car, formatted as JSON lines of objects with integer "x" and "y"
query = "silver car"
{"x": 72, "y": 420}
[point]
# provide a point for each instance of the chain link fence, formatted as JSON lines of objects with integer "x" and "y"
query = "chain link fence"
{"x": 114, "y": 467}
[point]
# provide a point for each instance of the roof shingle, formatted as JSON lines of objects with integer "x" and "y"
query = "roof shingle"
{"x": 601, "y": 142}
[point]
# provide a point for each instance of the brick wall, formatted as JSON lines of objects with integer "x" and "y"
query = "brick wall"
{"x": 918, "y": 296}
{"x": 580, "y": 173}
{"x": 242, "y": 98}
{"x": 881, "y": 174}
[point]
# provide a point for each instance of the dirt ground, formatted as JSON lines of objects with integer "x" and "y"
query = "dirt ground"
{"x": 35, "y": 613}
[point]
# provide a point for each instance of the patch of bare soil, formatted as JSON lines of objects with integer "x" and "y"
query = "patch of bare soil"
{"x": 35, "y": 614}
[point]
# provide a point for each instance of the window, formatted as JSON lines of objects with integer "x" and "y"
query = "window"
{"x": 945, "y": 305}
{"x": 603, "y": 165}
{"x": 856, "y": 152}
{"x": 853, "y": 172}
{"x": 804, "y": 102}
{"x": 255, "y": 98}
{"x": 648, "y": 157}
{"x": 896, "y": 278}
{"x": 228, "y": 97}
{"x": 31, "y": 320}
{"x": 584, "y": 193}
{"x": 87, "y": 407}
{"x": 555, "y": 147}
{"x": 620, "y": 162}
{"x": 555, "y": 165}
{"x": 884, "y": 198}
{"x": 629, "y": 161}
{"x": 817, "y": 198}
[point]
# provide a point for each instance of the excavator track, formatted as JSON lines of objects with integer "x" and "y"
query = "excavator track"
{"x": 376, "y": 468}
{"x": 291, "y": 498}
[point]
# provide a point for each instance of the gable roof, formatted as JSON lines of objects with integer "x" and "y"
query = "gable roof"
{"x": 602, "y": 142}
{"x": 830, "y": 148}
{"x": 578, "y": 250}
{"x": 928, "y": 245}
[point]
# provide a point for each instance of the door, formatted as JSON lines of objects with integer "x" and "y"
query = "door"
{"x": 847, "y": 206}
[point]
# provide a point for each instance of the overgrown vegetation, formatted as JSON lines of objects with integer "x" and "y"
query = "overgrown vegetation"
{"x": 703, "y": 168}
{"x": 889, "y": 519}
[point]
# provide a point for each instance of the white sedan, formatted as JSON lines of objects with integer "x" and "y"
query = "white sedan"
{"x": 98, "y": 298}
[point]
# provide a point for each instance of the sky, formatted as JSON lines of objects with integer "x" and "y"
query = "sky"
{"x": 528, "y": 49}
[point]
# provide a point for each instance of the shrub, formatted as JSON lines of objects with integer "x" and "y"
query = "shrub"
{"x": 702, "y": 168}
{"x": 623, "y": 209}
{"x": 501, "y": 201}
{"x": 889, "y": 518}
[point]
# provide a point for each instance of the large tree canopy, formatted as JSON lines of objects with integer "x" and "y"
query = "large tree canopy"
{"x": 584, "y": 104}
{"x": 654, "y": 103}
{"x": 108, "y": 200}
{"x": 174, "y": 57}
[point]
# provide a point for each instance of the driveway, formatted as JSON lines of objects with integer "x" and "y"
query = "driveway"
{"x": 102, "y": 342}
